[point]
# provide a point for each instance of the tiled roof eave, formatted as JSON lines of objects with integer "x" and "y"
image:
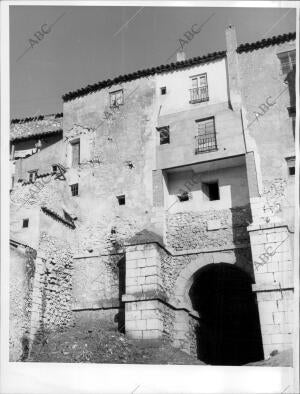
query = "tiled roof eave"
{"x": 143, "y": 73}
{"x": 33, "y": 136}
{"x": 275, "y": 40}
{"x": 175, "y": 66}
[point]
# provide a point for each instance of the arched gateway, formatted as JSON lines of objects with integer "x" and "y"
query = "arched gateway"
{"x": 209, "y": 310}
{"x": 218, "y": 302}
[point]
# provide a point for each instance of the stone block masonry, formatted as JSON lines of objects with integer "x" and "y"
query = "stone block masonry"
{"x": 157, "y": 283}
{"x": 274, "y": 285}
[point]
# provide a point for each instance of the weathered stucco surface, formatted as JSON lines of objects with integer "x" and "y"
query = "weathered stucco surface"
{"x": 134, "y": 264}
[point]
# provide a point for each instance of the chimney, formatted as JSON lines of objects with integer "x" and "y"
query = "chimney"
{"x": 180, "y": 56}
{"x": 233, "y": 68}
{"x": 231, "y": 42}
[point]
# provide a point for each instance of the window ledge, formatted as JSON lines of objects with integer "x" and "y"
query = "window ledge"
{"x": 198, "y": 152}
{"x": 199, "y": 101}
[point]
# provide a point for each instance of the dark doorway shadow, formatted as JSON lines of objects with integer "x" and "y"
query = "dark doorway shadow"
{"x": 229, "y": 329}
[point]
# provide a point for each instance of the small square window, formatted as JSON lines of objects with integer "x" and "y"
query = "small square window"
{"x": 164, "y": 135}
{"x": 211, "y": 190}
{"x": 74, "y": 189}
{"x": 163, "y": 90}
{"x": 291, "y": 170}
{"x": 25, "y": 223}
{"x": 54, "y": 168}
{"x": 121, "y": 199}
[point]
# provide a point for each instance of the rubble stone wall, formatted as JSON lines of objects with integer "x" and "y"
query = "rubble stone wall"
{"x": 56, "y": 283}
{"x": 208, "y": 230}
{"x": 22, "y": 270}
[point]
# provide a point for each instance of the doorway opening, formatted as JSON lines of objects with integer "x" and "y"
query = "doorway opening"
{"x": 229, "y": 329}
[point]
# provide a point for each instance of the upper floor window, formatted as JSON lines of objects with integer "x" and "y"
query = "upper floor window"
{"x": 75, "y": 153}
{"x": 288, "y": 61}
{"x": 74, "y": 189}
{"x": 206, "y": 139}
{"x": 163, "y": 90}
{"x": 164, "y": 135}
{"x": 199, "y": 91}
{"x": 116, "y": 98}
{"x": 32, "y": 175}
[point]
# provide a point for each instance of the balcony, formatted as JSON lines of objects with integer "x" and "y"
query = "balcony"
{"x": 206, "y": 143}
{"x": 199, "y": 95}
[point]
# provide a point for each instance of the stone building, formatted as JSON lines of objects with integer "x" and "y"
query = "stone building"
{"x": 165, "y": 207}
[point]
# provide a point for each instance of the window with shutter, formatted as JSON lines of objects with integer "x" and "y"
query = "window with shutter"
{"x": 288, "y": 61}
{"x": 116, "y": 98}
{"x": 199, "y": 91}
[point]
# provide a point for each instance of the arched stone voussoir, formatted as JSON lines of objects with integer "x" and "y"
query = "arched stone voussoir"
{"x": 224, "y": 257}
{"x": 186, "y": 276}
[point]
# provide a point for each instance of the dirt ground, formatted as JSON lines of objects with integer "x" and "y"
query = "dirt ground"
{"x": 79, "y": 344}
{"x": 104, "y": 345}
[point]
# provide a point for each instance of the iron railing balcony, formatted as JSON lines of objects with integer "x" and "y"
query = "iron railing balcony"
{"x": 205, "y": 143}
{"x": 199, "y": 95}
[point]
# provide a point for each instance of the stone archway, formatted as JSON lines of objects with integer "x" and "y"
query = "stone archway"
{"x": 186, "y": 276}
{"x": 217, "y": 302}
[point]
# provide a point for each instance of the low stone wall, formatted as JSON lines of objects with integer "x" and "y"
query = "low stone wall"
{"x": 97, "y": 281}
{"x": 98, "y": 284}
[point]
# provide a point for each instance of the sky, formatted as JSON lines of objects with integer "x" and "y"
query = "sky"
{"x": 86, "y": 45}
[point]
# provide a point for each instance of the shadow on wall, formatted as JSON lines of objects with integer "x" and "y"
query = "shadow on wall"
{"x": 229, "y": 329}
{"x": 120, "y": 316}
{"x": 290, "y": 80}
{"x": 25, "y": 348}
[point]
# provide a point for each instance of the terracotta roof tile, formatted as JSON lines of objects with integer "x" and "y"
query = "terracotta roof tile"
{"x": 266, "y": 42}
{"x": 175, "y": 66}
{"x": 32, "y": 127}
{"x": 143, "y": 73}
